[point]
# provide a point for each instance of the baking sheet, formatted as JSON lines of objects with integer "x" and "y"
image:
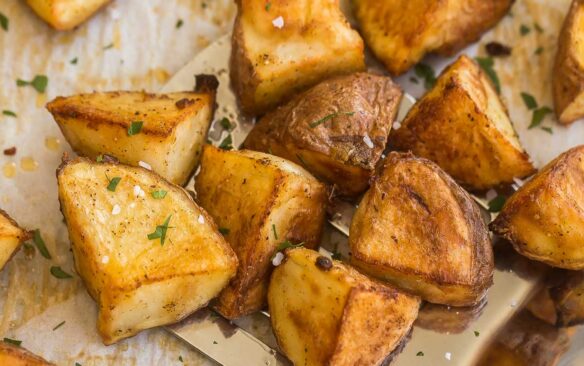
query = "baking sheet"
{"x": 147, "y": 49}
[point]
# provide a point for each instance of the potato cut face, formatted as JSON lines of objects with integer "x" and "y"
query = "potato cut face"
{"x": 11, "y": 237}
{"x": 401, "y": 32}
{"x": 65, "y": 14}
{"x": 543, "y": 219}
{"x": 12, "y": 355}
{"x": 337, "y": 129}
{"x": 418, "y": 230}
{"x": 259, "y": 201}
{"x": 568, "y": 76}
{"x": 145, "y": 259}
{"x": 462, "y": 126}
{"x": 288, "y": 48}
{"x": 165, "y": 131}
{"x": 326, "y": 313}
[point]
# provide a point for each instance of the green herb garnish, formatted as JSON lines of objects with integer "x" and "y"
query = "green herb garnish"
{"x": 268, "y": 6}
{"x": 524, "y": 29}
{"x": 274, "y": 230}
{"x": 113, "y": 183}
{"x": 226, "y": 124}
{"x": 476, "y": 333}
{"x": 538, "y": 116}
{"x": 285, "y": 245}
{"x": 496, "y": 204}
{"x": 548, "y": 130}
{"x": 539, "y": 51}
{"x": 59, "y": 273}
{"x": 420, "y": 354}
{"x": 135, "y": 128}
{"x": 224, "y": 230}
{"x": 179, "y": 23}
{"x": 99, "y": 158}
{"x": 40, "y": 244}
{"x": 59, "y": 325}
{"x": 4, "y": 22}
{"x": 160, "y": 232}
{"x": 329, "y": 117}
{"x": 39, "y": 83}
{"x": 74, "y": 61}
{"x": 227, "y": 143}
{"x": 78, "y": 364}
{"x": 529, "y": 101}
{"x": 487, "y": 63}
{"x": 538, "y": 27}
{"x": 160, "y": 194}
{"x": 180, "y": 358}
{"x": 8, "y": 113}
{"x": 111, "y": 45}
{"x": 427, "y": 73}
{"x": 12, "y": 341}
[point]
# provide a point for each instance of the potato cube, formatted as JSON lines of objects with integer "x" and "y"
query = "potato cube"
{"x": 11, "y": 237}
{"x": 66, "y": 14}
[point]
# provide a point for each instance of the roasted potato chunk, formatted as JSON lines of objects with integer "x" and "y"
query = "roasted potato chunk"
{"x": 401, "y": 32}
{"x": 462, "y": 126}
{"x": 568, "y": 75}
{"x": 448, "y": 319}
{"x": 65, "y": 14}
{"x": 417, "y": 229}
{"x": 337, "y": 129}
{"x": 326, "y": 313}
{"x": 11, "y": 237}
{"x": 259, "y": 201}
{"x": 543, "y": 219}
{"x": 17, "y": 356}
{"x": 166, "y": 131}
{"x": 527, "y": 341}
{"x": 289, "y": 46}
{"x": 140, "y": 244}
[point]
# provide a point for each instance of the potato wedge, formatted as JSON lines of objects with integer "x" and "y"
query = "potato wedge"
{"x": 326, "y": 313}
{"x": 417, "y": 229}
{"x": 12, "y": 355}
{"x": 401, "y": 32}
{"x": 11, "y": 237}
{"x": 568, "y": 75}
{"x": 173, "y": 130}
{"x": 462, "y": 126}
{"x": 527, "y": 341}
{"x": 543, "y": 219}
{"x": 66, "y": 14}
{"x": 337, "y": 129}
{"x": 259, "y": 201}
{"x": 140, "y": 244}
{"x": 287, "y": 47}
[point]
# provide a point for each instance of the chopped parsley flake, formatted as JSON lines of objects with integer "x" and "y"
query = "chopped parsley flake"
{"x": 113, "y": 183}
{"x": 427, "y": 73}
{"x": 160, "y": 194}
{"x": 179, "y": 23}
{"x": 548, "y": 130}
{"x": 285, "y": 245}
{"x": 58, "y": 272}
{"x": 274, "y": 230}
{"x": 8, "y": 113}
{"x": 160, "y": 232}
{"x": 420, "y": 354}
{"x": 538, "y": 116}
{"x": 330, "y": 117}
{"x": 224, "y": 230}
{"x": 268, "y": 6}
{"x": 40, "y": 244}
{"x": 111, "y": 45}
{"x": 77, "y": 364}
{"x": 538, "y": 27}
{"x": 487, "y": 63}
{"x": 180, "y": 359}
{"x": 39, "y": 83}
{"x": 59, "y": 325}
{"x": 539, "y": 51}
{"x": 529, "y": 101}
{"x": 4, "y": 22}
{"x": 12, "y": 341}
{"x": 226, "y": 124}
{"x": 215, "y": 342}
{"x": 99, "y": 158}
{"x": 476, "y": 333}
{"x": 524, "y": 30}
{"x": 135, "y": 128}
{"x": 74, "y": 61}
{"x": 227, "y": 143}
{"x": 497, "y": 203}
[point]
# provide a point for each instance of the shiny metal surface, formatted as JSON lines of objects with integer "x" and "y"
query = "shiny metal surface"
{"x": 238, "y": 347}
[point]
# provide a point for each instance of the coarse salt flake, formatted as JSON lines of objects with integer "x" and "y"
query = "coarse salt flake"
{"x": 278, "y": 22}
{"x": 116, "y": 209}
{"x": 277, "y": 260}
{"x": 144, "y": 165}
{"x": 448, "y": 356}
{"x": 137, "y": 190}
{"x": 105, "y": 259}
{"x": 396, "y": 125}
{"x": 367, "y": 141}
{"x": 201, "y": 219}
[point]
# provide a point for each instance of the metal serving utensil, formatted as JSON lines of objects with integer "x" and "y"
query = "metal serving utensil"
{"x": 249, "y": 341}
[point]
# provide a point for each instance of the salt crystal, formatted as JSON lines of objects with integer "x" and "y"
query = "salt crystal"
{"x": 396, "y": 125}
{"x": 448, "y": 356}
{"x": 278, "y": 259}
{"x": 278, "y": 22}
{"x": 201, "y": 219}
{"x": 105, "y": 259}
{"x": 144, "y": 165}
{"x": 367, "y": 141}
{"x": 116, "y": 210}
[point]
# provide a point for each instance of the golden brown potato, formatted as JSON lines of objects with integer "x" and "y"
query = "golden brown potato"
{"x": 448, "y": 319}
{"x": 401, "y": 32}
{"x": 11, "y": 237}
{"x": 166, "y": 131}
{"x": 140, "y": 244}
{"x": 12, "y": 355}
{"x": 259, "y": 201}
{"x": 417, "y": 229}
{"x": 527, "y": 341}
{"x": 462, "y": 126}
{"x": 65, "y": 14}
{"x": 337, "y": 129}
{"x": 543, "y": 219}
{"x": 568, "y": 75}
{"x": 326, "y": 313}
{"x": 281, "y": 49}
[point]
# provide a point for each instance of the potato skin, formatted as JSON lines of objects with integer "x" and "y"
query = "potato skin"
{"x": 11, "y": 238}
{"x": 543, "y": 219}
{"x": 463, "y": 127}
{"x": 353, "y": 106}
{"x": 568, "y": 76}
{"x": 417, "y": 229}
{"x": 66, "y": 14}
{"x": 262, "y": 200}
{"x": 12, "y": 355}
{"x": 352, "y": 320}
{"x": 401, "y": 32}
{"x": 270, "y": 64}
{"x": 139, "y": 282}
